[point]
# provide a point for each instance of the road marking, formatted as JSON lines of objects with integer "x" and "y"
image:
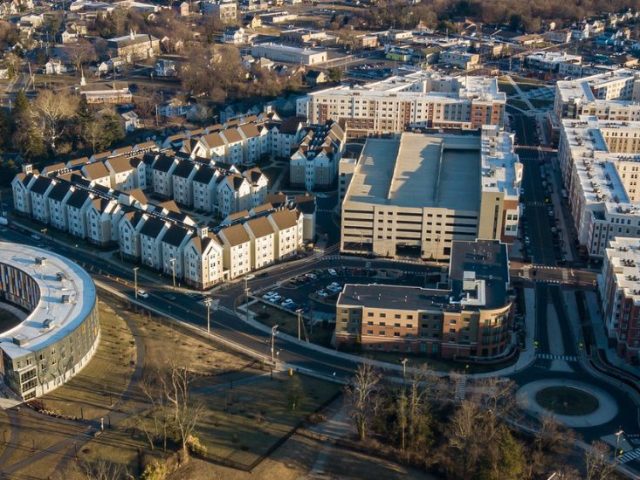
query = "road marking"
{"x": 629, "y": 456}
{"x": 551, "y": 356}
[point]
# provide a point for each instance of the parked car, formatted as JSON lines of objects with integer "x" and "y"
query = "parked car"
{"x": 143, "y": 293}
{"x": 332, "y": 272}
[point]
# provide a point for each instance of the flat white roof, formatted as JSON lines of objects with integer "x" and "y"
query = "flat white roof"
{"x": 66, "y": 317}
{"x": 624, "y": 255}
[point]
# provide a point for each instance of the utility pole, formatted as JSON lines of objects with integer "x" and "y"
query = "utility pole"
{"x": 207, "y": 303}
{"x": 617, "y": 452}
{"x": 135, "y": 281}
{"x": 274, "y": 330}
{"x": 404, "y": 369}
{"x": 246, "y": 293}
{"x": 172, "y": 261}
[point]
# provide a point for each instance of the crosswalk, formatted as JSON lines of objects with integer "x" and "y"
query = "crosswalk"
{"x": 551, "y": 356}
{"x": 629, "y": 456}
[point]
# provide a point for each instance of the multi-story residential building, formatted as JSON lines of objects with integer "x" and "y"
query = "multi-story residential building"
{"x": 236, "y": 244}
{"x": 151, "y": 235}
{"x": 98, "y": 173}
{"x": 173, "y": 243}
{"x": 471, "y": 319}
{"x": 600, "y": 164}
{"x": 129, "y": 234}
{"x": 421, "y": 99}
{"x": 57, "y": 198}
{"x": 234, "y": 194}
{"x": 99, "y": 221}
{"x": 288, "y": 226}
{"x": 127, "y": 173}
{"x": 288, "y": 54}
{"x": 613, "y": 95}
{"x": 203, "y": 260}
{"x": 182, "y": 178}
{"x": 258, "y": 184}
{"x": 39, "y": 192}
{"x": 204, "y": 188}
{"x": 135, "y": 46}
{"x": 61, "y": 331}
{"x": 413, "y": 196}
{"x": 262, "y": 238}
{"x": 459, "y": 57}
{"x": 162, "y": 174}
{"x": 619, "y": 286}
{"x": 20, "y": 187}
{"x": 315, "y": 163}
{"x": 77, "y": 206}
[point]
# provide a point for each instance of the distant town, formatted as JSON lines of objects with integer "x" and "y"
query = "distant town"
{"x": 323, "y": 240}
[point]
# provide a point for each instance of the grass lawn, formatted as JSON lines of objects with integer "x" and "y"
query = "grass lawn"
{"x": 567, "y": 401}
{"x": 242, "y": 423}
{"x": 288, "y": 323}
{"x": 105, "y": 378}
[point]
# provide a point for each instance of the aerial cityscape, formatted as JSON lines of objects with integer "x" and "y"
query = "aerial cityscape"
{"x": 314, "y": 239}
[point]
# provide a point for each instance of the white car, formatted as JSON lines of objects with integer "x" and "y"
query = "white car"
{"x": 143, "y": 293}
{"x": 323, "y": 294}
{"x": 332, "y": 272}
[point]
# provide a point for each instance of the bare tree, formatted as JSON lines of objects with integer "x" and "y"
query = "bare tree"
{"x": 361, "y": 392}
{"x": 104, "y": 470}
{"x": 53, "y": 109}
{"x": 598, "y": 462}
{"x": 81, "y": 52}
{"x": 185, "y": 414}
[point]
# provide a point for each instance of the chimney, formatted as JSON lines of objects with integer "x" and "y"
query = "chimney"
{"x": 27, "y": 168}
{"x": 203, "y": 232}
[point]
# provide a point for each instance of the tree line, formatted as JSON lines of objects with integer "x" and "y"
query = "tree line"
{"x": 421, "y": 424}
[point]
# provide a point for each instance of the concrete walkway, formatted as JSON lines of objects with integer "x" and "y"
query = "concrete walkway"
{"x": 606, "y": 411}
{"x": 556, "y": 345}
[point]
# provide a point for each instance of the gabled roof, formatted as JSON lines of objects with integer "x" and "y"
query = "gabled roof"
{"x": 139, "y": 195}
{"x": 163, "y": 163}
{"x": 120, "y": 164}
{"x": 78, "y": 161}
{"x": 201, "y": 244}
{"x": 170, "y": 205}
{"x": 58, "y": 192}
{"x": 213, "y": 140}
{"x": 235, "y": 235}
{"x": 250, "y": 130}
{"x": 232, "y": 135}
{"x": 175, "y": 235}
{"x": 152, "y": 227}
{"x": 95, "y": 170}
{"x": 40, "y": 185}
{"x": 100, "y": 204}
{"x": 260, "y": 227}
{"x": 183, "y": 169}
{"x": 204, "y": 175}
{"x": 285, "y": 219}
{"x": 53, "y": 168}
{"x": 291, "y": 125}
{"x": 253, "y": 175}
{"x": 78, "y": 198}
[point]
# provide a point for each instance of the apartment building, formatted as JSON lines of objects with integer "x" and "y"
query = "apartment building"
{"x": 619, "y": 285}
{"x": 263, "y": 239}
{"x": 126, "y": 173}
{"x": 173, "y": 244}
{"x": 236, "y": 244}
{"x": 162, "y": 174}
{"x": 612, "y": 95}
{"x": 57, "y": 198}
{"x": 289, "y": 232}
{"x": 203, "y": 260}
{"x": 414, "y": 195}
{"x": 135, "y": 46}
{"x": 39, "y": 192}
{"x": 561, "y": 63}
{"x": 460, "y": 58}
{"x": 315, "y": 163}
{"x": 223, "y": 11}
{"x": 472, "y": 318}
{"x": 600, "y": 164}
{"x": 420, "y": 99}
{"x": 182, "y": 179}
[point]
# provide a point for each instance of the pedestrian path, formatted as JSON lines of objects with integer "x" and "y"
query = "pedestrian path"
{"x": 461, "y": 388}
{"x": 629, "y": 456}
{"x": 551, "y": 356}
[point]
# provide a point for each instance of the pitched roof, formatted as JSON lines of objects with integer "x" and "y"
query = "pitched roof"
{"x": 152, "y": 227}
{"x": 250, "y": 130}
{"x": 175, "y": 235}
{"x": 291, "y": 125}
{"x": 232, "y": 135}
{"x": 305, "y": 203}
{"x": 170, "y": 205}
{"x": 260, "y": 227}
{"x": 139, "y": 195}
{"x": 53, "y": 168}
{"x": 183, "y": 169}
{"x": 120, "y": 164}
{"x": 58, "y": 192}
{"x": 95, "y": 170}
{"x": 163, "y": 163}
{"x": 285, "y": 219}
{"x": 40, "y": 185}
{"x": 253, "y": 175}
{"x": 78, "y": 198}
{"x": 235, "y": 235}
{"x": 213, "y": 140}
{"x": 78, "y": 161}
{"x": 204, "y": 174}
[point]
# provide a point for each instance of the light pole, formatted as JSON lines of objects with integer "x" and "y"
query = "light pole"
{"x": 617, "y": 453}
{"x": 135, "y": 281}
{"x": 172, "y": 261}
{"x": 404, "y": 369}
{"x": 274, "y": 330}
{"x": 299, "y": 313}
{"x": 246, "y": 293}
{"x": 207, "y": 303}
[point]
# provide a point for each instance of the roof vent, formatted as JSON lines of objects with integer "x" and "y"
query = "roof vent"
{"x": 41, "y": 261}
{"x": 65, "y": 299}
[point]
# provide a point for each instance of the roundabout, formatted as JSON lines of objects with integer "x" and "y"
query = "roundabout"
{"x": 573, "y": 403}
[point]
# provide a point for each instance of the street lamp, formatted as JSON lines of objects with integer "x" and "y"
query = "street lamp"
{"x": 404, "y": 368}
{"x": 135, "y": 281}
{"x": 172, "y": 261}
{"x": 207, "y": 303}
{"x": 274, "y": 330}
{"x": 618, "y": 434}
{"x": 299, "y": 313}
{"x": 246, "y": 292}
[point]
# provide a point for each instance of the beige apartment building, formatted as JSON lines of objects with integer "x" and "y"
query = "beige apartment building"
{"x": 414, "y": 195}
{"x": 471, "y": 319}
{"x": 420, "y": 99}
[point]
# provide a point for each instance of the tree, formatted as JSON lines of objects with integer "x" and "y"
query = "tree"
{"x": 53, "y": 109}
{"x": 104, "y": 470}
{"x": 504, "y": 459}
{"x": 598, "y": 462}
{"x": 81, "y": 52}
{"x": 360, "y": 393}
{"x": 27, "y": 137}
{"x": 335, "y": 74}
{"x": 12, "y": 62}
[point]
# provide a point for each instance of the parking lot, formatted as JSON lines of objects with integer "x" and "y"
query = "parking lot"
{"x": 316, "y": 293}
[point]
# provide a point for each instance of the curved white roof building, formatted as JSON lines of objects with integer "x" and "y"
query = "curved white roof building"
{"x": 60, "y": 331}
